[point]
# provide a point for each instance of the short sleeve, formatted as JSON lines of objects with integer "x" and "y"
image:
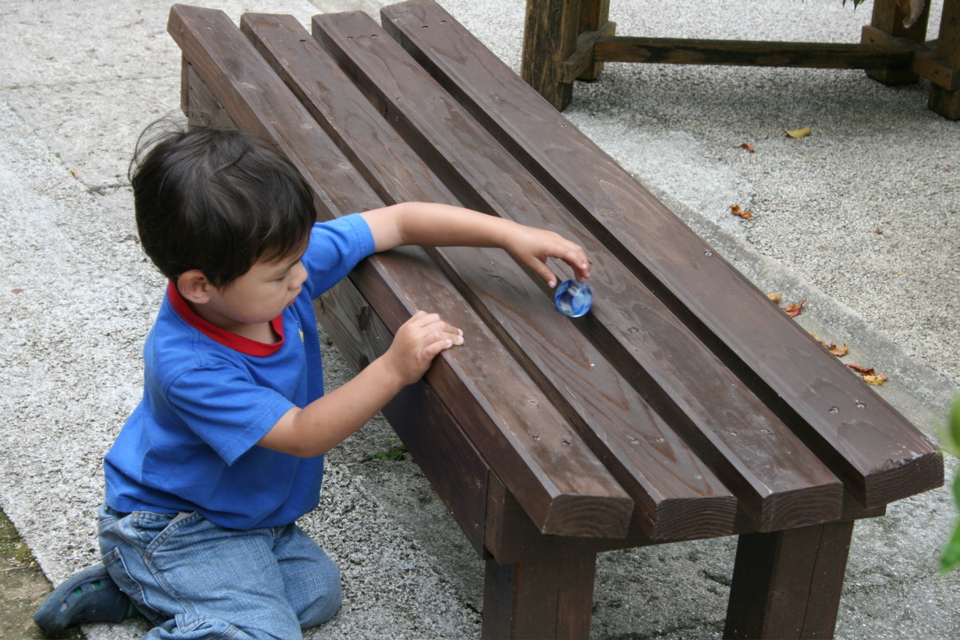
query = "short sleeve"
{"x": 222, "y": 406}
{"x": 334, "y": 250}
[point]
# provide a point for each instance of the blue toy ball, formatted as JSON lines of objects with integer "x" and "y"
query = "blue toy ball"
{"x": 573, "y": 298}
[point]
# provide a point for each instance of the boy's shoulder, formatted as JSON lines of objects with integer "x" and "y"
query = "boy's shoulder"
{"x": 335, "y": 248}
{"x": 180, "y": 340}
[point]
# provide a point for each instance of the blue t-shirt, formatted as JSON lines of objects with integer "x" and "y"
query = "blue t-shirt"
{"x": 210, "y": 396}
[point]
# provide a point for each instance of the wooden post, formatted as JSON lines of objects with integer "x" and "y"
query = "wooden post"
{"x": 787, "y": 584}
{"x": 594, "y": 15}
{"x": 943, "y": 101}
{"x": 549, "y": 38}
{"x": 549, "y": 598}
{"x": 888, "y": 17}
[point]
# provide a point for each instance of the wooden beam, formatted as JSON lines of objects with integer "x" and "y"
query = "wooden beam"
{"x": 549, "y": 38}
{"x": 594, "y": 19}
{"x": 760, "y": 54}
{"x": 945, "y": 99}
{"x": 582, "y": 62}
{"x": 888, "y": 18}
{"x": 543, "y": 599}
{"x": 924, "y": 63}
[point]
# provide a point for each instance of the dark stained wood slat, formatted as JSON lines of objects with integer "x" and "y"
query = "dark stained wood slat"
{"x": 675, "y": 494}
{"x": 247, "y": 88}
{"x": 735, "y": 433}
{"x": 879, "y": 455}
{"x": 760, "y": 54}
{"x": 511, "y": 537}
{"x": 566, "y": 490}
{"x": 361, "y": 337}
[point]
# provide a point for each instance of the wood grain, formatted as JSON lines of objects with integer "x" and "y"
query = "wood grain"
{"x": 565, "y": 489}
{"x": 730, "y": 429}
{"x": 673, "y": 490}
{"x": 879, "y": 456}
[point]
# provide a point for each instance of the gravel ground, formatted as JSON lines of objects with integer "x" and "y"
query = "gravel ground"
{"x": 860, "y": 219}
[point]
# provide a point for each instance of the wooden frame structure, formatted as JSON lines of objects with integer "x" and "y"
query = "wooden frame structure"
{"x": 567, "y": 40}
{"x": 658, "y": 417}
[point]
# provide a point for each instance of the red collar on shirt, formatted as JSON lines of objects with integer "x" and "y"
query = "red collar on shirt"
{"x": 224, "y": 337}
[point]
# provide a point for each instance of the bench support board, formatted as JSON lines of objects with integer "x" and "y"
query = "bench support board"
{"x": 565, "y": 40}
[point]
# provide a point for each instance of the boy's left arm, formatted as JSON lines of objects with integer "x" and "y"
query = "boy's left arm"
{"x": 440, "y": 225}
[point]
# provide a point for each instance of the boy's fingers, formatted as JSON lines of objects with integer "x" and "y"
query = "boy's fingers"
{"x": 546, "y": 274}
{"x": 576, "y": 257}
{"x": 435, "y": 328}
{"x": 434, "y": 349}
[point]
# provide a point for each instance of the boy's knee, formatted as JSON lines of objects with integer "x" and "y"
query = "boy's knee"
{"x": 322, "y": 609}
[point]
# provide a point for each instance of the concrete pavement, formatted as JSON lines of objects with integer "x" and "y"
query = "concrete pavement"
{"x": 861, "y": 219}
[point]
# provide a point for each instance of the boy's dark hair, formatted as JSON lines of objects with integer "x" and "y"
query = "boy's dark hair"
{"x": 217, "y": 200}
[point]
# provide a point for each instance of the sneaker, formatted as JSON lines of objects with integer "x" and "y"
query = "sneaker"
{"x": 89, "y": 596}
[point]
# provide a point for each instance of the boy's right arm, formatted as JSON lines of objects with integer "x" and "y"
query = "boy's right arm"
{"x": 326, "y": 422}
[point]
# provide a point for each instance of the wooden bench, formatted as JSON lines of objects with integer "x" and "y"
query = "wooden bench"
{"x": 685, "y": 405}
{"x": 566, "y": 40}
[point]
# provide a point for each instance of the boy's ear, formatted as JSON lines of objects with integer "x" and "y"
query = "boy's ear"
{"x": 194, "y": 286}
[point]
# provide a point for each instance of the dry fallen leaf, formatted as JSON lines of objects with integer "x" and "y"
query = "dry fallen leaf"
{"x": 748, "y": 147}
{"x": 838, "y": 351}
{"x": 862, "y": 370}
{"x": 798, "y": 133}
{"x": 17, "y": 290}
{"x": 743, "y": 213}
{"x": 834, "y": 349}
{"x": 870, "y": 376}
{"x": 775, "y": 297}
{"x": 794, "y": 309}
{"x": 76, "y": 174}
{"x": 877, "y": 380}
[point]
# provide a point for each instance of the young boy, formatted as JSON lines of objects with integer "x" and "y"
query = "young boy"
{"x": 225, "y": 451}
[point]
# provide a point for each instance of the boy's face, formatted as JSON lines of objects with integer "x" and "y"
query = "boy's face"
{"x": 258, "y": 296}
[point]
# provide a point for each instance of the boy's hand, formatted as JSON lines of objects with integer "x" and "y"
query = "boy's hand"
{"x": 532, "y": 247}
{"x": 418, "y": 341}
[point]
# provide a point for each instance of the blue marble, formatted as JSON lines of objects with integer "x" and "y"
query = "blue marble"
{"x": 573, "y": 298}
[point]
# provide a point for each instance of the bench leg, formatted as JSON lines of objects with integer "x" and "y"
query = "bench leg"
{"x": 594, "y": 15}
{"x": 943, "y": 101}
{"x": 550, "y": 598}
{"x": 549, "y": 37}
{"x": 787, "y": 584}
{"x": 888, "y": 17}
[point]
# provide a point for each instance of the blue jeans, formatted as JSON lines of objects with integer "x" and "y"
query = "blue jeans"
{"x": 194, "y": 579}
